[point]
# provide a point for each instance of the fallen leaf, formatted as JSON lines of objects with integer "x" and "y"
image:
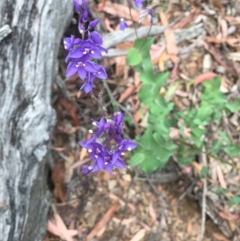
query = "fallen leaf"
{"x": 171, "y": 43}
{"x": 224, "y": 28}
{"x": 105, "y": 219}
{"x": 204, "y": 77}
{"x": 70, "y": 107}
{"x": 130, "y": 90}
{"x": 162, "y": 59}
{"x": 101, "y": 7}
{"x": 184, "y": 21}
{"x": 220, "y": 177}
{"x": 139, "y": 235}
{"x": 57, "y": 177}
{"x": 63, "y": 230}
{"x": 155, "y": 52}
{"x": 123, "y": 12}
{"x": 152, "y": 212}
{"x": 217, "y": 4}
{"x": 220, "y": 237}
{"x": 221, "y": 59}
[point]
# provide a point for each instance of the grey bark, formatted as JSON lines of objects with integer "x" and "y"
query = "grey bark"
{"x": 30, "y": 33}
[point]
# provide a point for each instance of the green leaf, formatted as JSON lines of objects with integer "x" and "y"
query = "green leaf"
{"x": 150, "y": 164}
{"x": 204, "y": 172}
{"x": 235, "y": 200}
{"x": 220, "y": 191}
{"x": 144, "y": 46}
{"x": 216, "y": 147}
{"x": 144, "y": 94}
{"x": 133, "y": 57}
{"x": 233, "y": 106}
{"x": 232, "y": 150}
{"x": 137, "y": 158}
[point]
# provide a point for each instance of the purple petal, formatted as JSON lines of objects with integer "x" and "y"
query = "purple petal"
{"x": 127, "y": 145}
{"x": 93, "y": 23}
{"x": 71, "y": 69}
{"x": 100, "y": 161}
{"x": 86, "y": 169}
{"x": 85, "y": 15}
{"x": 82, "y": 73}
{"x": 95, "y": 167}
{"x": 101, "y": 73}
{"x": 76, "y": 53}
{"x": 96, "y": 37}
{"x": 109, "y": 167}
{"x": 91, "y": 67}
{"x": 123, "y": 24}
{"x": 96, "y": 54}
{"x": 119, "y": 163}
{"x": 87, "y": 87}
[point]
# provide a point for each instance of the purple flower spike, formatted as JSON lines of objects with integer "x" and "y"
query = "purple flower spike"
{"x": 83, "y": 53}
{"x": 107, "y": 146}
{"x": 123, "y": 24}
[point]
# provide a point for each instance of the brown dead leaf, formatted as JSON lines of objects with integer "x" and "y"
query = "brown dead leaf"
{"x": 162, "y": 59}
{"x": 105, "y": 219}
{"x": 123, "y": 12}
{"x": 189, "y": 227}
{"x": 152, "y": 212}
{"x": 184, "y": 21}
{"x": 220, "y": 237}
{"x": 101, "y": 7}
{"x": 221, "y": 59}
{"x": 204, "y": 77}
{"x": 220, "y": 177}
{"x": 63, "y": 229}
{"x": 217, "y": 4}
{"x": 229, "y": 216}
{"x": 70, "y": 107}
{"x": 171, "y": 43}
{"x": 58, "y": 176}
{"x": 155, "y": 52}
{"x": 224, "y": 28}
{"x": 120, "y": 65}
{"x": 139, "y": 235}
{"x": 128, "y": 92}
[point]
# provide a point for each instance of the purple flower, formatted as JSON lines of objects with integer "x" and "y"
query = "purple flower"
{"x": 87, "y": 48}
{"x": 82, "y": 53}
{"x": 70, "y": 43}
{"x": 93, "y": 24}
{"x": 106, "y": 145}
{"x": 123, "y": 24}
{"x": 144, "y": 13}
{"x": 95, "y": 37}
{"x": 81, "y": 67}
{"x": 139, "y": 3}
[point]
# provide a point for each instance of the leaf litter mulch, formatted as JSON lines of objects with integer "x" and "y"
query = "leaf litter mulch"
{"x": 203, "y": 41}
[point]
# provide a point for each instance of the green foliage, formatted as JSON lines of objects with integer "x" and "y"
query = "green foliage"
{"x": 134, "y": 57}
{"x": 156, "y": 145}
{"x": 235, "y": 200}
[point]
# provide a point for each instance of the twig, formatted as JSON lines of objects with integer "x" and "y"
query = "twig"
{"x": 203, "y": 221}
{"x": 187, "y": 191}
{"x": 163, "y": 205}
{"x": 124, "y": 210}
{"x": 116, "y": 104}
{"x": 130, "y": 12}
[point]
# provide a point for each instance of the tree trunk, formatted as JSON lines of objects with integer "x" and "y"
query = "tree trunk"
{"x": 30, "y": 34}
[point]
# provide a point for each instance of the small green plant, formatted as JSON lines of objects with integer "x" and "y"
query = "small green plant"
{"x": 156, "y": 145}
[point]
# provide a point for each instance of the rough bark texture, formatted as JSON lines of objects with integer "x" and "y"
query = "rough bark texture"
{"x": 28, "y": 64}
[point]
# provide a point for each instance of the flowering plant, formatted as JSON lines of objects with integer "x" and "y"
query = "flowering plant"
{"x": 106, "y": 146}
